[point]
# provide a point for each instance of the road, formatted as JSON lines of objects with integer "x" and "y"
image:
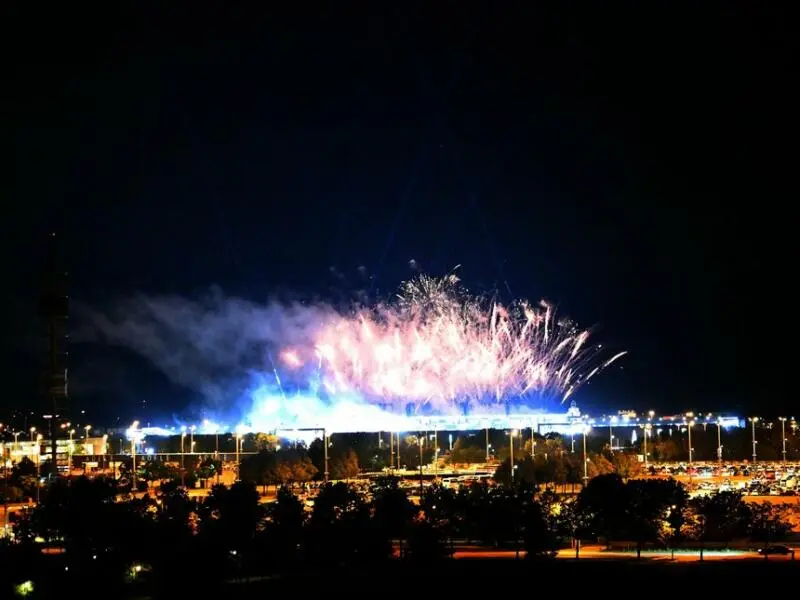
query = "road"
{"x": 599, "y": 553}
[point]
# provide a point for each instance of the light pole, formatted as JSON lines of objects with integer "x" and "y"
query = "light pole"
{"x": 719, "y": 441}
{"x": 611, "y": 422}
{"x": 533, "y": 445}
{"x": 435, "y": 451}
{"x": 183, "y": 454}
{"x": 487, "y": 445}
{"x": 33, "y": 431}
{"x": 69, "y": 464}
{"x": 585, "y": 457}
{"x": 238, "y": 440}
{"x": 218, "y": 463}
{"x": 38, "y": 449}
{"x": 753, "y": 421}
{"x": 689, "y": 426}
{"x": 326, "y": 442}
{"x": 133, "y": 453}
{"x": 783, "y": 437}
{"x": 511, "y": 454}
{"x": 419, "y": 440}
{"x": 191, "y": 438}
{"x": 391, "y": 451}
{"x": 647, "y": 429}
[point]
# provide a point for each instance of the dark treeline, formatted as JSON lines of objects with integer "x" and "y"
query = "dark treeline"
{"x": 170, "y": 541}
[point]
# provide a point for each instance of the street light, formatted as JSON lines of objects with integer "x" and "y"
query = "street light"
{"x": 753, "y": 421}
{"x": 689, "y": 426}
{"x": 134, "y": 426}
{"x": 719, "y": 440}
{"x": 397, "y": 453}
{"x": 391, "y": 451}
{"x": 511, "y": 453}
{"x": 586, "y": 429}
{"x": 33, "y": 431}
{"x": 183, "y": 455}
{"x": 71, "y": 446}
{"x": 419, "y": 442}
{"x": 191, "y": 437}
{"x": 783, "y": 437}
{"x": 436, "y": 451}
{"x": 611, "y": 433}
{"x": 238, "y": 439}
{"x": 647, "y": 429}
{"x": 487, "y": 445}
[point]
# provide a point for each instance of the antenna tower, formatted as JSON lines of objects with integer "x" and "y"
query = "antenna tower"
{"x": 54, "y": 313}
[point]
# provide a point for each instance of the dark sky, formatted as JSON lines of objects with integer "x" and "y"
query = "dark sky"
{"x": 632, "y": 165}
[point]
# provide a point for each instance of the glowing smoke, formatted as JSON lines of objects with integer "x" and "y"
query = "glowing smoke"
{"x": 434, "y": 349}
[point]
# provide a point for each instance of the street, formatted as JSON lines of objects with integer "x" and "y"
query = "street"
{"x": 596, "y": 552}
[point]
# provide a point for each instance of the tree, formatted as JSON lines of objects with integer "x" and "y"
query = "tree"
{"x": 626, "y": 465}
{"x": 231, "y": 515}
{"x": 25, "y": 476}
{"x": 345, "y": 466}
{"x": 209, "y": 468}
{"x": 426, "y": 543}
{"x": 539, "y": 538}
{"x": 340, "y": 528}
{"x": 574, "y": 522}
{"x": 598, "y": 465}
{"x": 156, "y": 470}
{"x": 604, "y": 502}
{"x": 261, "y": 468}
{"x": 392, "y": 509}
{"x": 294, "y": 466}
{"x": 266, "y": 441}
{"x": 650, "y": 503}
{"x": 76, "y": 511}
{"x": 720, "y": 517}
{"x": 284, "y": 527}
{"x": 272, "y": 467}
{"x": 465, "y": 455}
{"x": 665, "y": 450}
{"x": 440, "y": 507}
{"x": 769, "y": 522}
{"x": 526, "y": 471}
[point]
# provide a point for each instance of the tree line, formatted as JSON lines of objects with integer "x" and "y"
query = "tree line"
{"x": 171, "y": 540}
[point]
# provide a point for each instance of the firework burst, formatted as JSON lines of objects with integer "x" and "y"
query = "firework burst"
{"x": 437, "y": 346}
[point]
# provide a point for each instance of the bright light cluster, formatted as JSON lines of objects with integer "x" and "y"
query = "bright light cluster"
{"x": 438, "y": 346}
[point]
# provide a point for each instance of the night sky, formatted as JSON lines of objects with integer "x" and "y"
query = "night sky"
{"x": 634, "y": 166}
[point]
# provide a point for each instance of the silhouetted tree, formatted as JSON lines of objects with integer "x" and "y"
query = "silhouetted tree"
{"x": 604, "y": 502}
{"x": 345, "y": 465}
{"x": 283, "y": 531}
{"x": 721, "y": 517}
{"x": 539, "y": 537}
{"x": 393, "y": 511}
{"x": 426, "y": 543}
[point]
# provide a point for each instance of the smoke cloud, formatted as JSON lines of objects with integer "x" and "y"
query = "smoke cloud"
{"x": 213, "y": 345}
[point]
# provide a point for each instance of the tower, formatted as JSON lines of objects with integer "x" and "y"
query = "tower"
{"x": 54, "y": 312}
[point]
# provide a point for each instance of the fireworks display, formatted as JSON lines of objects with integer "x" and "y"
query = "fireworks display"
{"x": 434, "y": 349}
{"x": 440, "y": 348}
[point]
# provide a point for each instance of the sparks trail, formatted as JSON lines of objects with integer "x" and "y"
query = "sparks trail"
{"x": 438, "y": 346}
